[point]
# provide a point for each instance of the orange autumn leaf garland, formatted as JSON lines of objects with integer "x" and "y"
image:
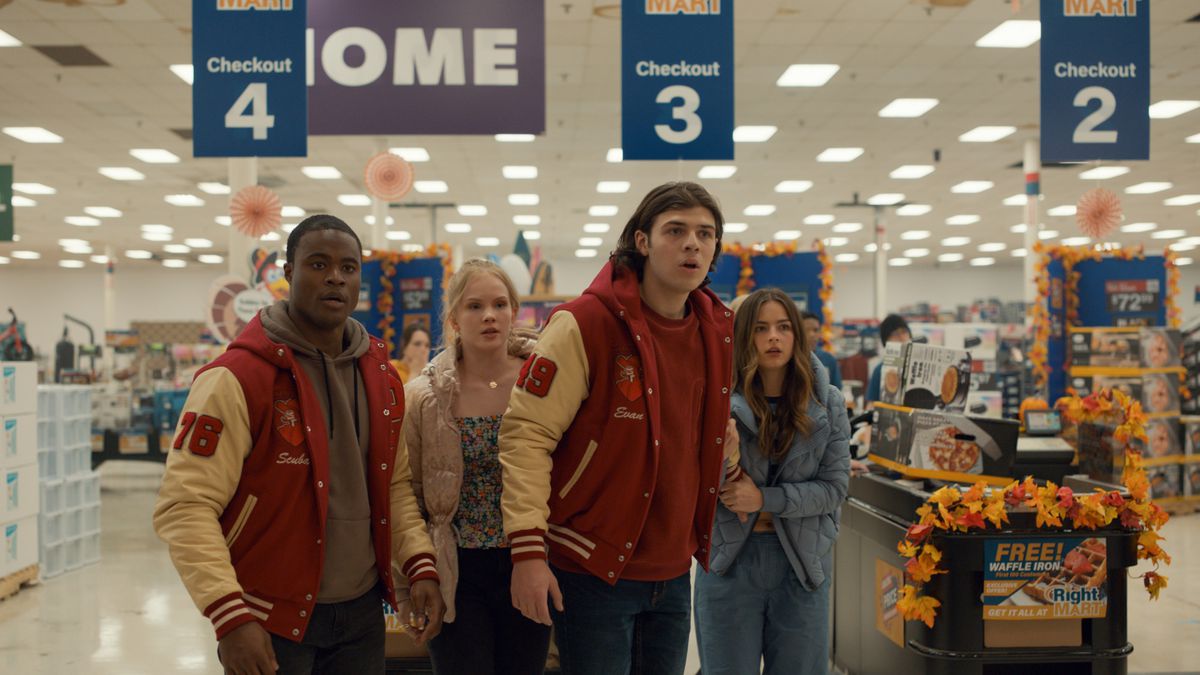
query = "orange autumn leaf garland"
{"x": 949, "y": 509}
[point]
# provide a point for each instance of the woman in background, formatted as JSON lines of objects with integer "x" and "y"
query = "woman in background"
{"x": 414, "y": 351}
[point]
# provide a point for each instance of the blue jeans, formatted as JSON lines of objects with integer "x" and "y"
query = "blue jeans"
{"x": 759, "y": 610}
{"x": 343, "y": 638}
{"x": 638, "y": 627}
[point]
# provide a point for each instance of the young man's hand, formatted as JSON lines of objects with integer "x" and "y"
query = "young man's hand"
{"x": 428, "y": 608}
{"x": 246, "y": 650}
{"x": 532, "y": 581}
{"x": 742, "y": 497}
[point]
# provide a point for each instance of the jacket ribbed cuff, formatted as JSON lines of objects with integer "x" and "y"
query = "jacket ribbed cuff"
{"x": 774, "y": 501}
{"x": 733, "y": 473}
{"x": 228, "y": 612}
{"x": 420, "y": 567}
{"x": 527, "y": 545}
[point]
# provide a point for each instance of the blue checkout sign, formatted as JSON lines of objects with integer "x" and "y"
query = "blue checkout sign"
{"x": 1095, "y": 79}
{"x": 677, "y": 79}
{"x": 249, "y": 98}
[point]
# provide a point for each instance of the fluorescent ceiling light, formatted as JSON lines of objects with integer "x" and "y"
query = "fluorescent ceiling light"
{"x": 531, "y": 235}
{"x": 914, "y": 235}
{"x": 1012, "y": 34}
{"x": 527, "y": 220}
{"x": 156, "y": 236}
{"x": 431, "y": 186}
{"x": 18, "y": 200}
{"x": 807, "y": 75}
{"x": 1019, "y": 253}
{"x": 524, "y": 199}
{"x": 793, "y": 186}
{"x": 950, "y": 257}
{"x": 7, "y": 40}
{"x": 1063, "y": 210}
{"x": 321, "y": 172}
{"x": 982, "y": 262}
{"x": 121, "y": 173}
{"x": 1104, "y": 172}
{"x": 458, "y": 228}
{"x": 288, "y": 227}
{"x": 1016, "y": 200}
{"x": 33, "y": 134}
{"x": 1076, "y": 241}
{"x": 1182, "y": 200}
{"x": 899, "y": 262}
{"x": 155, "y": 155}
{"x": 585, "y": 253}
{"x": 1165, "y": 110}
{"x": 717, "y": 171}
{"x": 174, "y": 263}
{"x": 178, "y": 249}
{"x": 472, "y": 210}
{"x": 183, "y": 200}
{"x": 847, "y": 228}
{"x": 184, "y": 71}
{"x": 411, "y": 154}
{"x": 916, "y": 252}
{"x": 354, "y": 200}
{"x": 398, "y": 235}
{"x": 612, "y": 186}
{"x": 86, "y": 249}
{"x": 291, "y": 212}
{"x": 158, "y": 229}
{"x": 885, "y": 199}
{"x": 515, "y": 138}
{"x": 1168, "y": 234}
{"x": 4, "y": 260}
{"x": 71, "y": 264}
{"x": 26, "y": 255}
{"x": 956, "y": 241}
{"x": 911, "y": 171}
{"x": 992, "y": 247}
{"x": 615, "y": 155}
{"x": 818, "y": 219}
{"x": 214, "y": 188}
{"x": 601, "y": 228}
{"x": 487, "y": 241}
{"x": 34, "y": 188}
{"x": 787, "y": 235}
{"x": 102, "y": 211}
{"x": 1139, "y": 227}
{"x": 138, "y": 254}
{"x": 914, "y": 210}
{"x": 839, "y": 154}
{"x": 223, "y": 221}
{"x": 1183, "y": 261}
{"x": 590, "y": 242}
{"x": 73, "y": 243}
{"x": 82, "y": 221}
{"x": 753, "y": 134}
{"x": 908, "y": 107}
{"x": 1194, "y": 138}
{"x": 1019, "y": 228}
{"x": 198, "y": 243}
{"x": 99, "y": 259}
{"x": 735, "y": 228}
{"x": 972, "y": 186}
{"x": 871, "y": 247}
{"x": 274, "y": 236}
{"x": 210, "y": 258}
{"x": 522, "y": 172}
{"x": 987, "y": 134}
{"x": 835, "y": 242}
{"x": 1149, "y": 187}
{"x": 846, "y": 257}
{"x": 602, "y": 210}
{"x": 963, "y": 219}
{"x": 759, "y": 210}
{"x": 1048, "y": 234}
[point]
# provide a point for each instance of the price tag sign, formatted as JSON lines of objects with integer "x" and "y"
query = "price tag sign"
{"x": 677, "y": 79}
{"x": 1133, "y": 296}
{"x": 249, "y": 98}
{"x": 1095, "y": 76}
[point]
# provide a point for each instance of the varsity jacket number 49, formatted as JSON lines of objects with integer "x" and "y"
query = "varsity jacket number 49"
{"x": 243, "y": 501}
{"x": 579, "y": 442}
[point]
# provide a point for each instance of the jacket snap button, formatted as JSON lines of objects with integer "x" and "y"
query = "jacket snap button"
{"x": 308, "y": 429}
{"x": 719, "y": 440}
{"x": 638, "y": 338}
{"x": 382, "y": 366}
{"x": 656, "y": 442}
{"x": 303, "y": 613}
{"x": 383, "y": 521}
{"x": 621, "y": 558}
{"x": 650, "y": 390}
{"x": 279, "y": 352}
{"x": 320, "y": 483}
{"x": 646, "y": 495}
{"x": 706, "y": 536}
{"x": 383, "y": 467}
{"x": 726, "y": 339}
{"x": 318, "y": 542}
{"x": 386, "y": 412}
{"x": 308, "y": 597}
{"x": 629, "y": 544}
{"x": 712, "y": 491}
{"x": 724, "y": 390}
{"x": 727, "y": 314}
{"x": 611, "y": 575}
{"x": 295, "y": 631}
{"x": 381, "y": 344}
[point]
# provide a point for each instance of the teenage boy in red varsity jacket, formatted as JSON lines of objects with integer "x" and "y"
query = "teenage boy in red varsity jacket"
{"x": 613, "y": 441}
{"x": 287, "y": 493}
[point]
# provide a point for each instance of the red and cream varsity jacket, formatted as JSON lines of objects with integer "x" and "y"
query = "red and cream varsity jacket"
{"x": 579, "y": 442}
{"x": 243, "y": 501}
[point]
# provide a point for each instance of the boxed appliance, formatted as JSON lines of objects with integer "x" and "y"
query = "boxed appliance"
{"x": 18, "y": 387}
{"x": 18, "y": 440}
{"x": 19, "y": 496}
{"x": 1146, "y": 347}
{"x": 1165, "y": 481}
{"x": 926, "y": 377}
{"x": 18, "y": 544}
{"x": 928, "y": 439}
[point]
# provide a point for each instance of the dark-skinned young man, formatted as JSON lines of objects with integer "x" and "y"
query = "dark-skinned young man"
{"x": 287, "y": 494}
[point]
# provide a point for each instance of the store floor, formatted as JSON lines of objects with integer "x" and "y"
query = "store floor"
{"x": 130, "y": 615}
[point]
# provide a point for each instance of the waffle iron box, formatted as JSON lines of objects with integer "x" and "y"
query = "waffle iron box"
{"x": 963, "y": 443}
{"x": 926, "y": 377}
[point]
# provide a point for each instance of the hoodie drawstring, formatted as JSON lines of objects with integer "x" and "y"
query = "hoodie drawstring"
{"x": 357, "y": 431}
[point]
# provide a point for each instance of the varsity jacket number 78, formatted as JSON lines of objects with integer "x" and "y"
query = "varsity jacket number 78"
{"x": 243, "y": 501}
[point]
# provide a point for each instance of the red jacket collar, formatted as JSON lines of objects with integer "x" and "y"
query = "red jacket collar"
{"x": 618, "y": 288}
{"x": 254, "y": 339}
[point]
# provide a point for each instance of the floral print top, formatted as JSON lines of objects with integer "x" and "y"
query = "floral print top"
{"x": 479, "y": 522}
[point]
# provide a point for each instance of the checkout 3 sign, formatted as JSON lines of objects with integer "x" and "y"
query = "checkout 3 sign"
{"x": 1095, "y": 79}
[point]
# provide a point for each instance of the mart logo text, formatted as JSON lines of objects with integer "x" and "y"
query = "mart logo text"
{"x": 259, "y": 5}
{"x": 1099, "y": 7}
{"x": 683, "y": 6}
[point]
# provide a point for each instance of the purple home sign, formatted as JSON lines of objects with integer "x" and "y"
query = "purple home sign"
{"x": 426, "y": 67}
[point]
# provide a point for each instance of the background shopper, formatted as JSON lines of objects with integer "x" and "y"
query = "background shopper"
{"x": 893, "y": 328}
{"x": 812, "y": 334}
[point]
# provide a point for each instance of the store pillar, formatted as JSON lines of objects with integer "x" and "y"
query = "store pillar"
{"x": 243, "y": 172}
{"x": 880, "y": 265}
{"x": 1033, "y": 170}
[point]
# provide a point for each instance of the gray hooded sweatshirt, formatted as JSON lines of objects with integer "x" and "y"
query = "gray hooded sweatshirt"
{"x": 349, "y": 567}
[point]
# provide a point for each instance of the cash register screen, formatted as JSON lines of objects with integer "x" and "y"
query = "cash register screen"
{"x": 1042, "y": 423}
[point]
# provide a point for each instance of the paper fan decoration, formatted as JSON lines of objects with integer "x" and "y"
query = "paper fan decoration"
{"x": 388, "y": 177}
{"x": 1098, "y": 212}
{"x": 255, "y": 211}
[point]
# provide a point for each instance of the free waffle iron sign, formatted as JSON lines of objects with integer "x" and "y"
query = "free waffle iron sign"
{"x": 1036, "y": 578}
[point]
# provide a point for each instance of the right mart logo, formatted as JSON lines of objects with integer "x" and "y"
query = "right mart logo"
{"x": 1105, "y": 8}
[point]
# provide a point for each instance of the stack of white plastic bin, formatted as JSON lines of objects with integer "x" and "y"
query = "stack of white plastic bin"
{"x": 70, "y": 519}
{"x": 18, "y": 468}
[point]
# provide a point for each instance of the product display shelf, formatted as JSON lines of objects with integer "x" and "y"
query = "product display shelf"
{"x": 69, "y": 524}
{"x": 19, "y": 503}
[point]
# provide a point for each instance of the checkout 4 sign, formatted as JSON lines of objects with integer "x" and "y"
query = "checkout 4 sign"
{"x": 1095, "y": 79}
{"x": 250, "y": 97}
{"x": 677, "y": 79}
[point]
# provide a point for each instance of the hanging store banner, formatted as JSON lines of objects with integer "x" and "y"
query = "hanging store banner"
{"x": 1040, "y": 578}
{"x": 677, "y": 79}
{"x": 427, "y": 67}
{"x": 1095, "y": 80}
{"x": 6, "y": 205}
{"x": 249, "y": 98}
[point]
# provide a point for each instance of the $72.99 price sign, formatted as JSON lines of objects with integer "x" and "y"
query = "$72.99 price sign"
{"x": 1132, "y": 296}
{"x": 249, "y": 98}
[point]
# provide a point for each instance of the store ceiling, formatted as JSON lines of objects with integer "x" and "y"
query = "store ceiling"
{"x": 886, "y": 49}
